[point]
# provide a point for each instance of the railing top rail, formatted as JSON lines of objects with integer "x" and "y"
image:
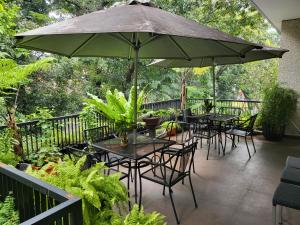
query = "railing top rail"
{"x": 48, "y": 216}
{"x": 54, "y": 192}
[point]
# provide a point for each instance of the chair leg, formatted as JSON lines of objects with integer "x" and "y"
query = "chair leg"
{"x": 274, "y": 215}
{"x": 208, "y": 150}
{"x": 253, "y": 143}
{"x": 194, "y": 167}
{"x": 173, "y": 205}
{"x": 190, "y": 179}
{"x": 128, "y": 188}
{"x": 280, "y": 215}
{"x": 140, "y": 200}
{"x": 247, "y": 147}
{"x": 164, "y": 190}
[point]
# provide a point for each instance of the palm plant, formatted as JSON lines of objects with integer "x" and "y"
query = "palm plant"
{"x": 117, "y": 108}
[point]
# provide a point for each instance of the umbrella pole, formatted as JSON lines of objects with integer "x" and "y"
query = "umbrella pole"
{"x": 136, "y": 60}
{"x": 214, "y": 85}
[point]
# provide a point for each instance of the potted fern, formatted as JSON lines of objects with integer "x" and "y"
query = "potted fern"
{"x": 117, "y": 109}
{"x": 278, "y": 106}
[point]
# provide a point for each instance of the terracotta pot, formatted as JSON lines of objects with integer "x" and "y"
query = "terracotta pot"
{"x": 171, "y": 132}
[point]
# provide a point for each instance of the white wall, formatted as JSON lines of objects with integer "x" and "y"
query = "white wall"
{"x": 289, "y": 66}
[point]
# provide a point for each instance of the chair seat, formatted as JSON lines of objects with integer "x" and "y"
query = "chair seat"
{"x": 291, "y": 175}
{"x": 206, "y": 134}
{"x": 237, "y": 132}
{"x": 293, "y": 162}
{"x": 158, "y": 177}
{"x": 287, "y": 195}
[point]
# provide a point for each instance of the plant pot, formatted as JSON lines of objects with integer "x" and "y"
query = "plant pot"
{"x": 273, "y": 133}
{"x": 171, "y": 132}
{"x": 152, "y": 121}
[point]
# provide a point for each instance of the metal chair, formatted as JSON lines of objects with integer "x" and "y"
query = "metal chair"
{"x": 245, "y": 130}
{"x": 205, "y": 129}
{"x": 230, "y": 110}
{"x": 172, "y": 168}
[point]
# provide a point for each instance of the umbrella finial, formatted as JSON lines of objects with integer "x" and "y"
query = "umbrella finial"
{"x": 141, "y": 2}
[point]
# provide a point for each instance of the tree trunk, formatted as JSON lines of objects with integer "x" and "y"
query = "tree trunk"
{"x": 183, "y": 93}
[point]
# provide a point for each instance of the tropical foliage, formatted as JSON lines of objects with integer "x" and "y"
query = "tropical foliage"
{"x": 278, "y": 105}
{"x": 117, "y": 108}
{"x": 8, "y": 215}
{"x": 103, "y": 196}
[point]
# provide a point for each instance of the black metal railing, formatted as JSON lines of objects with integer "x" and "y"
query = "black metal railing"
{"x": 68, "y": 130}
{"x": 38, "y": 202}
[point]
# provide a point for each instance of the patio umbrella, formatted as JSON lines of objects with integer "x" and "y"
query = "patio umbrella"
{"x": 251, "y": 56}
{"x": 133, "y": 31}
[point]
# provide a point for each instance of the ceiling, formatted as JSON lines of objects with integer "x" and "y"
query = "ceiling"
{"x": 278, "y": 10}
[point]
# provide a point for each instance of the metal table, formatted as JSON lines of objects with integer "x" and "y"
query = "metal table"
{"x": 220, "y": 119}
{"x": 143, "y": 147}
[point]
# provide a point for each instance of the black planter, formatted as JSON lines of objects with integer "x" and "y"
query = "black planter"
{"x": 273, "y": 133}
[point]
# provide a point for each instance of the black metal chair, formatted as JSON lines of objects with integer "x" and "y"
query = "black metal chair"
{"x": 182, "y": 135}
{"x": 205, "y": 129}
{"x": 244, "y": 129}
{"x": 188, "y": 116}
{"x": 172, "y": 168}
{"x": 98, "y": 134}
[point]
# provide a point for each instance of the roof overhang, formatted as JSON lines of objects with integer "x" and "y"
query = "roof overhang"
{"x": 278, "y": 10}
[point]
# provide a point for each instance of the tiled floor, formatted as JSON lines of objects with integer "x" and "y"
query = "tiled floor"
{"x": 230, "y": 190}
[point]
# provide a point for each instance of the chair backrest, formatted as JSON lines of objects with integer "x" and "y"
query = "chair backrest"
{"x": 97, "y": 134}
{"x": 181, "y": 162}
{"x": 179, "y": 131}
{"x": 251, "y": 123}
{"x": 230, "y": 110}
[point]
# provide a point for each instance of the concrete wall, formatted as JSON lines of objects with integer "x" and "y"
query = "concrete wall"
{"x": 289, "y": 66}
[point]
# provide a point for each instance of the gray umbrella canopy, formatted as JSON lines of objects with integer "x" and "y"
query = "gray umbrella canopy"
{"x": 251, "y": 56}
{"x": 136, "y": 31}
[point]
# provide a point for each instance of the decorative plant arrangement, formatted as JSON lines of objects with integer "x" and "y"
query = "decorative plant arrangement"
{"x": 278, "y": 106}
{"x": 103, "y": 197}
{"x": 208, "y": 106}
{"x": 117, "y": 109}
{"x": 8, "y": 215}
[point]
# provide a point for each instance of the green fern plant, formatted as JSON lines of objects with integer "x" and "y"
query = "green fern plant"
{"x": 117, "y": 108}
{"x": 103, "y": 196}
{"x": 99, "y": 193}
{"x": 138, "y": 217}
{"x": 8, "y": 215}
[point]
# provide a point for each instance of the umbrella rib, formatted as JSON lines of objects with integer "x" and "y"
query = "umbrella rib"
{"x": 26, "y": 41}
{"x": 150, "y": 40}
{"x": 83, "y": 44}
{"x": 179, "y": 47}
{"x": 231, "y": 49}
{"x": 122, "y": 38}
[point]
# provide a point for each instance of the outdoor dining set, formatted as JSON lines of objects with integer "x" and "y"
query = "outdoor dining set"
{"x": 165, "y": 158}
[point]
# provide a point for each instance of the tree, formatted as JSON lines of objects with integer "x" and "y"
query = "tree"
{"x": 12, "y": 77}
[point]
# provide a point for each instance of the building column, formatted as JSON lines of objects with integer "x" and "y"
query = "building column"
{"x": 289, "y": 67}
